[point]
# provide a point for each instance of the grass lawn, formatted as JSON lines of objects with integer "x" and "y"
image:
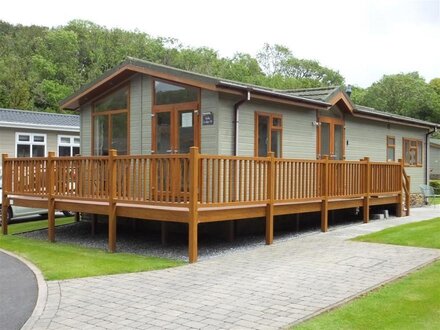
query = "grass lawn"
{"x": 422, "y": 234}
{"x": 16, "y": 228}
{"x": 63, "y": 261}
{"x": 412, "y": 302}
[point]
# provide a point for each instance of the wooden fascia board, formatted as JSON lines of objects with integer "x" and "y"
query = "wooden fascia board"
{"x": 341, "y": 96}
{"x": 73, "y": 103}
{"x": 390, "y": 121}
{"x": 171, "y": 77}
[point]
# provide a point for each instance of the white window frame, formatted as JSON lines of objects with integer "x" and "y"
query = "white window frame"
{"x": 71, "y": 144}
{"x": 31, "y": 142}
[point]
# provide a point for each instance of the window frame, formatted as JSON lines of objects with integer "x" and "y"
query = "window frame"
{"x": 174, "y": 109}
{"x": 419, "y": 145}
{"x": 271, "y": 127}
{"x": 31, "y": 142}
{"x": 71, "y": 144}
{"x": 110, "y": 114}
{"x": 390, "y": 146}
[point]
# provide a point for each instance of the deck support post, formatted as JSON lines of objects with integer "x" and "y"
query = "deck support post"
{"x": 270, "y": 197}
{"x": 164, "y": 233}
{"x": 230, "y": 231}
{"x": 112, "y": 201}
{"x": 324, "y": 204}
{"x": 50, "y": 196}
{"x": 5, "y": 199}
{"x": 94, "y": 224}
{"x": 77, "y": 217}
{"x": 366, "y": 204}
{"x": 193, "y": 218}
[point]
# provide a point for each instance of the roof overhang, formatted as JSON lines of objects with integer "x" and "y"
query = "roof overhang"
{"x": 274, "y": 96}
{"x": 394, "y": 119}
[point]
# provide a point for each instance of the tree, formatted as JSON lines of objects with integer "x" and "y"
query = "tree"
{"x": 40, "y": 66}
{"x": 405, "y": 94}
{"x": 278, "y": 61}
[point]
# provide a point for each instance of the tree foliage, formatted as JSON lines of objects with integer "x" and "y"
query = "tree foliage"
{"x": 405, "y": 94}
{"x": 40, "y": 66}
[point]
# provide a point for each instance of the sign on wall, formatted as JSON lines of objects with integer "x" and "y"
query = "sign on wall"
{"x": 208, "y": 118}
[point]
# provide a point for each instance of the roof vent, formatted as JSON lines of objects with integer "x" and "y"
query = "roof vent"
{"x": 348, "y": 90}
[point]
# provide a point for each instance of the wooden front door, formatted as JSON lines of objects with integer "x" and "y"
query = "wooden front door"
{"x": 331, "y": 138}
{"x": 175, "y": 130}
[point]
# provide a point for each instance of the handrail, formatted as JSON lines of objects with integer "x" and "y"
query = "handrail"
{"x": 221, "y": 180}
{"x": 406, "y": 184}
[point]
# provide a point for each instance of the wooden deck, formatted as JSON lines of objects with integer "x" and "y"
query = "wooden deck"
{"x": 196, "y": 188}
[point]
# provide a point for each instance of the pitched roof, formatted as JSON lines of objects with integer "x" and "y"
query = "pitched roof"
{"x": 326, "y": 94}
{"x": 320, "y": 93}
{"x": 133, "y": 65}
{"x": 38, "y": 120}
{"x": 318, "y": 98}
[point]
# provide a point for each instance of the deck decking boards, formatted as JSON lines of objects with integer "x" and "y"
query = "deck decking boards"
{"x": 197, "y": 188}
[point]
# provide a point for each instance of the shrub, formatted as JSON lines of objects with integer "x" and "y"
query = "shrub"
{"x": 436, "y": 185}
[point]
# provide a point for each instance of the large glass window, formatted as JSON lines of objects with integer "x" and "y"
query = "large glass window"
{"x": 30, "y": 145}
{"x": 115, "y": 101}
{"x": 68, "y": 145}
{"x": 391, "y": 148}
{"x": 268, "y": 130}
{"x": 110, "y": 123}
{"x": 412, "y": 152}
{"x": 166, "y": 93}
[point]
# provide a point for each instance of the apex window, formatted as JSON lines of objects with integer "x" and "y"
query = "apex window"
{"x": 110, "y": 122}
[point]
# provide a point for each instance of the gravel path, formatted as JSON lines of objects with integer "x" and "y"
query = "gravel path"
{"x": 148, "y": 243}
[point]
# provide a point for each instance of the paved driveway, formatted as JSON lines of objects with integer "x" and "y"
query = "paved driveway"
{"x": 18, "y": 292}
{"x": 264, "y": 288}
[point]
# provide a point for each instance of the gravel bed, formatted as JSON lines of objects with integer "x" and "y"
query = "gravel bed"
{"x": 149, "y": 243}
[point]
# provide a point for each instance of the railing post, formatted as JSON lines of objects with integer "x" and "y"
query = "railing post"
{"x": 408, "y": 196}
{"x": 399, "y": 210}
{"x": 366, "y": 204}
{"x": 193, "y": 218}
{"x": 325, "y": 187}
{"x": 50, "y": 172}
{"x": 7, "y": 178}
{"x": 270, "y": 197}
{"x": 112, "y": 200}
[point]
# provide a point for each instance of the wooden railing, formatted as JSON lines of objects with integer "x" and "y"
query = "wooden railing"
{"x": 220, "y": 180}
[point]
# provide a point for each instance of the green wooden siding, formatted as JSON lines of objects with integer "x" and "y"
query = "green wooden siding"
{"x": 367, "y": 138}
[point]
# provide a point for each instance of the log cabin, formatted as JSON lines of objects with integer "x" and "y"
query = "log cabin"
{"x": 169, "y": 145}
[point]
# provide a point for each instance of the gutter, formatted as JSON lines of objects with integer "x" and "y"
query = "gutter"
{"x": 237, "y": 119}
{"x": 40, "y": 127}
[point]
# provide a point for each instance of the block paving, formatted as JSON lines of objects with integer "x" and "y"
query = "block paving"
{"x": 267, "y": 287}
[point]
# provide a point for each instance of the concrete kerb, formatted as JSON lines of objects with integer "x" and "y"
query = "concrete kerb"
{"x": 42, "y": 291}
{"x": 360, "y": 294}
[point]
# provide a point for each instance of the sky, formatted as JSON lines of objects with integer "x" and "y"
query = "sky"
{"x": 363, "y": 39}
